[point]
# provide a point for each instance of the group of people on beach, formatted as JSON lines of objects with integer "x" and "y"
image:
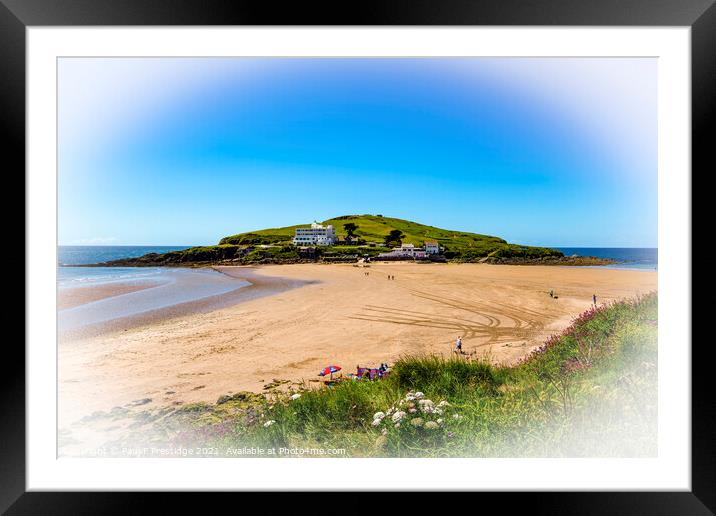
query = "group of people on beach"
{"x": 368, "y": 373}
{"x": 554, "y": 296}
{"x": 390, "y": 276}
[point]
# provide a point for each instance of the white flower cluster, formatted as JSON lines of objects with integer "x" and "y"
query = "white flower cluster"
{"x": 269, "y": 423}
{"x": 378, "y": 418}
{"x": 295, "y": 396}
{"x": 412, "y": 396}
{"x": 428, "y": 407}
{"x": 412, "y": 403}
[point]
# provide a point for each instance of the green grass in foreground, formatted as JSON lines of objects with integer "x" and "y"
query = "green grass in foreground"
{"x": 589, "y": 391}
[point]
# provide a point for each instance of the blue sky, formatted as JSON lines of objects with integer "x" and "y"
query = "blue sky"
{"x": 539, "y": 151}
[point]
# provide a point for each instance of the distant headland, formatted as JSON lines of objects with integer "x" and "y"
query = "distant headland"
{"x": 354, "y": 238}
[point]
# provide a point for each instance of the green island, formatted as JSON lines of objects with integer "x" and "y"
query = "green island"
{"x": 359, "y": 237}
{"x": 588, "y": 391}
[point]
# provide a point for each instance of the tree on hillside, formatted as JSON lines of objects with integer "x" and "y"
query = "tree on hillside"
{"x": 394, "y": 238}
{"x": 350, "y": 229}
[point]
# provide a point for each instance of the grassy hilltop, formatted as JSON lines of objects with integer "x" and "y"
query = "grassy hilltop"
{"x": 275, "y": 245}
{"x": 374, "y": 228}
{"x": 371, "y": 228}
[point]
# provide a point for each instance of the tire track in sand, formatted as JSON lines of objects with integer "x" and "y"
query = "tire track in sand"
{"x": 486, "y": 320}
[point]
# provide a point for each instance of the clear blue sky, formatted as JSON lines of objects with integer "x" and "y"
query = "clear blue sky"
{"x": 556, "y": 151}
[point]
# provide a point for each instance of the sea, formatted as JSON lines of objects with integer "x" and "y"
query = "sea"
{"x": 69, "y": 255}
{"x": 166, "y": 286}
{"x": 637, "y": 258}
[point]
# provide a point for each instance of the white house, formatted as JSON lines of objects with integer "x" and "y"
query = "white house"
{"x": 317, "y": 234}
{"x": 432, "y": 247}
{"x": 404, "y": 251}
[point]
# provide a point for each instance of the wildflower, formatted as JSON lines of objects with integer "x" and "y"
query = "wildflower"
{"x": 384, "y": 431}
{"x": 397, "y": 425}
{"x": 440, "y": 421}
{"x": 431, "y": 425}
{"x": 377, "y": 422}
{"x": 409, "y": 397}
{"x": 412, "y": 410}
{"x": 417, "y": 422}
{"x": 426, "y": 406}
{"x": 398, "y": 416}
{"x": 438, "y": 411}
{"x": 295, "y": 396}
{"x": 443, "y": 403}
{"x": 419, "y": 395}
{"x": 450, "y": 435}
{"x": 456, "y": 416}
{"x": 269, "y": 423}
{"x": 379, "y": 415}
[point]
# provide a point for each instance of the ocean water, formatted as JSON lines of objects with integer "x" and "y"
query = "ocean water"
{"x": 68, "y": 276}
{"x": 88, "y": 254}
{"x": 168, "y": 286}
{"x": 646, "y": 258}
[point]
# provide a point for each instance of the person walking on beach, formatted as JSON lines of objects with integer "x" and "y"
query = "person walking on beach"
{"x": 458, "y": 345}
{"x": 594, "y": 299}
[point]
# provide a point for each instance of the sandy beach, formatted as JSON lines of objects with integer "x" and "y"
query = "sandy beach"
{"x": 341, "y": 315}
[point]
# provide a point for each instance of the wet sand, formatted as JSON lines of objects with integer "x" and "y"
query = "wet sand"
{"x": 72, "y": 297}
{"x": 277, "y": 328}
{"x": 259, "y": 286}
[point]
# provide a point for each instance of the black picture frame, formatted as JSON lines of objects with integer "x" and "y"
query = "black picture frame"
{"x": 17, "y": 15}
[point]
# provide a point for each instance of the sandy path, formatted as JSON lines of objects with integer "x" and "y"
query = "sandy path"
{"x": 345, "y": 318}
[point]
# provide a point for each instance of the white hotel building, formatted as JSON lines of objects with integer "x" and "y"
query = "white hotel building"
{"x": 317, "y": 234}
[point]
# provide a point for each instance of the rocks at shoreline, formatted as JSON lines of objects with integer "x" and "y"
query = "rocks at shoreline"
{"x": 552, "y": 260}
{"x": 163, "y": 260}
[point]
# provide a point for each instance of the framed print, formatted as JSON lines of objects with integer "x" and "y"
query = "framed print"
{"x": 413, "y": 249}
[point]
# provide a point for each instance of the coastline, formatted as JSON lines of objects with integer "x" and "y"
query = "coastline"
{"x": 255, "y": 286}
{"x": 272, "y": 330}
